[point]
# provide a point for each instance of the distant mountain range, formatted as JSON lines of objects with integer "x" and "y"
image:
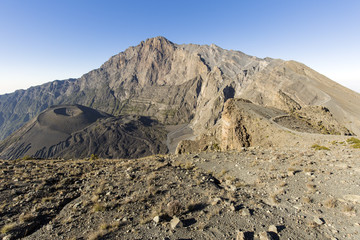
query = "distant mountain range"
{"x": 183, "y": 84}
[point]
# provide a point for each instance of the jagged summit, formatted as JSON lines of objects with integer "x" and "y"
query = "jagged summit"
{"x": 157, "y": 41}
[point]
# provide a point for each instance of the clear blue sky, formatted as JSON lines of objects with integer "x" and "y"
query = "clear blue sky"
{"x": 45, "y": 40}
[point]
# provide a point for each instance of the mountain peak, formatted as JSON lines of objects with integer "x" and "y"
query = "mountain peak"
{"x": 159, "y": 42}
{"x": 160, "y": 39}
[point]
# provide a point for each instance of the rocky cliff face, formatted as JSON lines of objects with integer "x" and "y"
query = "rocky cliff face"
{"x": 184, "y": 84}
{"x": 245, "y": 124}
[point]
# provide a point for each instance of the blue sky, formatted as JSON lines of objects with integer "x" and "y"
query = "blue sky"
{"x": 42, "y": 40}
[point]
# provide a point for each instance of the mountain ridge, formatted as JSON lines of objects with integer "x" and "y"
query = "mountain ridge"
{"x": 185, "y": 83}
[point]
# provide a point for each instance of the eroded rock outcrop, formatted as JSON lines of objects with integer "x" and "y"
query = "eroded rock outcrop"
{"x": 245, "y": 124}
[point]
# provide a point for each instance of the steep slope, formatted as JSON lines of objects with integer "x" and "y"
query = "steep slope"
{"x": 75, "y": 131}
{"x": 245, "y": 124}
{"x": 184, "y": 84}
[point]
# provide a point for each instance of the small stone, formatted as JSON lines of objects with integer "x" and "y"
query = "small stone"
{"x": 273, "y": 228}
{"x": 215, "y": 201}
{"x": 77, "y": 204}
{"x": 232, "y": 188}
{"x": 156, "y": 219}
{"x": 318, "y": 220}
{"x": 264, "y": 236}
{"x": 175, "y": 223}
{"x": 49, "y": 227}
{"x": 268, "y": 236}
{"x": 8, "y": 237}
{"x": 240, "y": 235}
{"x": 232, "y": 208}
{"x": 245, "y": 212}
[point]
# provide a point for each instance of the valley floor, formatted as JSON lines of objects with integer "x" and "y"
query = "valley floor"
{"x": 294, "y": 193}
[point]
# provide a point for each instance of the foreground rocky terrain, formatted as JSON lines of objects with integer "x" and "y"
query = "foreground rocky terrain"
{"x": 305, "y": 192}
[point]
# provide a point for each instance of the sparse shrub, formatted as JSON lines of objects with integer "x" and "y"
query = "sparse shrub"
{"x": 104, "y": 226}
{"x": 94, "y": 157}
{"x": 274, "y": 199}
{"x": 27, "y": 157}
{"x": 348, "y": 209}
{"x": 353, "y": 140}
{"x": 47, "y": 199}
{"x": 230, "y": 178}
{"x": 189, "y": 165}
{"x": 216, "y": 147}
{"x": 355, "y": 143}
{"x": 306, "y": 200}
{"x": 222, "y": 173}
{"x": 309, "y": 170}
{"x": 240, "y": 184}
{"x": 254, "y": 163}
{"x": 318, "y": 147}
{"x": 282, "y": 184}
{"x": 311, "y": 187}
{"x": 312, "y": 224}
{"x": 96, "y": 235}
{"x": 98, "y": 207}
{"x": 26, "y": 217}
{"x": 7, "y": 228}
{"x": 330, "y": 203}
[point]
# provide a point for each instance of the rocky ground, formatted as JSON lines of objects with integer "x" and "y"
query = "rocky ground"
{"x": 288, "y": 193}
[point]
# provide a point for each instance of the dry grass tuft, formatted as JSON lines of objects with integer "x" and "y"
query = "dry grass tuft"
{"x": 97, "y": 207}
{"x": 330, "y": 203}
{"x": 7, "y": 228}
{"x": 306, "y": 200}
{"x": 348, "y": 209}
{"x": 273, "y": 198}
{"x": 312, "y": 224}
{"x": 311, "y": 187}
{"x": 318, "y": 147}
{"x": 96, "y": 235}
{"x": 282, "y": 184}
{"x": 26, "y": 217}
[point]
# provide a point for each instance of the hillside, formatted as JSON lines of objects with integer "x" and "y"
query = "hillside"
{"x": 75, "y": 131}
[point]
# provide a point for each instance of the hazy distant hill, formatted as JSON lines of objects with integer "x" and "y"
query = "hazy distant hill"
{"x": 184, "y": 84}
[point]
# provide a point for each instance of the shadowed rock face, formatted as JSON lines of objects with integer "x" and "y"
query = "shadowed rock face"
{"x": 184, "y": 84}
{"x": 75, "y": 131}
